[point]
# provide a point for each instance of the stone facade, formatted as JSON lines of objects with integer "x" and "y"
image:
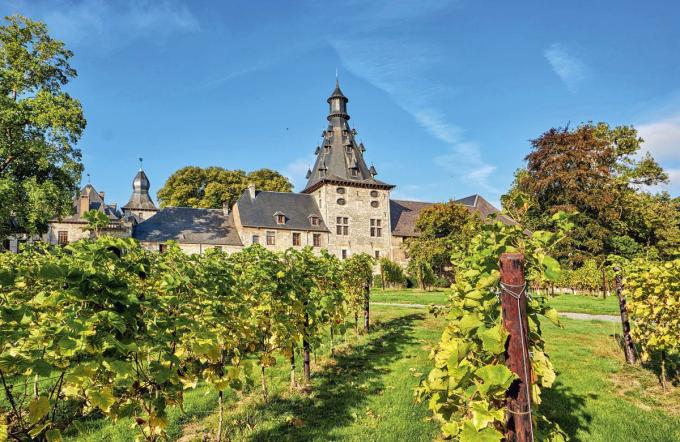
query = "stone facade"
{"x": 358, "y": 219}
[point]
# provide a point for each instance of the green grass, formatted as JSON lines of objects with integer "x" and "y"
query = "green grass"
{"x": 410, "y": 296}
{"x": 366, "y": 392}
{"x": 593, "y": 305}
{"x": 597, "y": 397}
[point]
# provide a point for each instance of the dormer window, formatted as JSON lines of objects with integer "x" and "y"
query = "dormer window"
{"x": 355, "y": 172}
{"x": 280, "y": 218}
{"x": 314, "y": 220}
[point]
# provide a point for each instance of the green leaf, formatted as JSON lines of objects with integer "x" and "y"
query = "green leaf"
{"x": 102, "y": 399}
{"x": 470, "y": 434}
{"x": 554, "y": 316}
{"x": 552, "y": 268}
{"x": 38, "y": 408}
{"x": 50, "y": 271}
{"x": 53, "y": 435}
{"x": 493, "y": 339}
{"x": 482, "y": 416}
{"x": 450, "y": 429}
{"x": 3, "y": 433}
{"x": 494, "y": 376}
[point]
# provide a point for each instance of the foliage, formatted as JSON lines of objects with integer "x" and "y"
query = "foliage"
{"x": 652, "y": 290}
{"x": 357, "y": 277}
{"x": 442, "y": 228}
{"x": 212, "y": 187}
{"x": 40, "y": 125}
{"x": 467, "y": 386}
{"x": 107, "y": 327}
{"x": 593, "y": 170}
{"x": 96, "y": 221}
{"x": 391, "y": 273}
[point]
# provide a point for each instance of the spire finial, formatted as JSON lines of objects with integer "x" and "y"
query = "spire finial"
{"x": 141, "y": 161}
{"x": 88, "y": 179}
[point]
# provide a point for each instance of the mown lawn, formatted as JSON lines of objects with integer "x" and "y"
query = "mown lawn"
{"x": 410, "y": 296}
{"x": 366, "y": 392}
{"x": 597, "y": 397}
{"x": 595, "y": 305}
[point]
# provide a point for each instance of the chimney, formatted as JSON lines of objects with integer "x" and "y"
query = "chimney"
{"x": 83, "y": 204}
{"x": 101, "y": 195}
{"x": 251, "y": 190}
{"x": 225, "y": 208}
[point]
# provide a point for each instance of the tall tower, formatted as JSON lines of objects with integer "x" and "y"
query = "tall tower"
{"x": 140, "y": 205}
{"x": 354, "y": 203}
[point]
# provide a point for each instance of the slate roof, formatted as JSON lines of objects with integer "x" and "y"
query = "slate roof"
{"x": 340, "y": 159}
{"x": 404, "y": 214}
{"x": 140, "y": 198}
{"x": 259, "y": 211}
{"x": 96, "y": 202}
{"x": 189, "y": 226}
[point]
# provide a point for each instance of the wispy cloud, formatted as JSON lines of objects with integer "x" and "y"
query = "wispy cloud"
{"x": 403, "y": 70}
{"x": 571, "y": 69}
{"x": 662, "y": 138}
{"x": 110, "y": 24}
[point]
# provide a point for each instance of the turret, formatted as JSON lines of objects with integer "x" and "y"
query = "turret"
{"x": 140, "y": 205}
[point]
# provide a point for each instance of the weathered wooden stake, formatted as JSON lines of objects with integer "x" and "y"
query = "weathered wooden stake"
{"x": 628, "y": 345}
{"x": 514, "y": 307}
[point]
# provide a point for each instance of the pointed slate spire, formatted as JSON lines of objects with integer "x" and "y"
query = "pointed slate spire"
{"x": 373, "y": 171}
{"x": 340, "y": 159}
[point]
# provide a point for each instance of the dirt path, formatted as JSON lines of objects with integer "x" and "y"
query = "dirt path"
{"x": 570, "y": 315}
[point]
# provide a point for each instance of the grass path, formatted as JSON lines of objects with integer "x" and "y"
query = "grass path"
{"x": 366, "y": 392}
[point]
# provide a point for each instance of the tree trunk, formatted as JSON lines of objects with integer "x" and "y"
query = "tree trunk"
{"x": 367, "y": 315}
{"x": 514, "y": 304}
{"x": 604, "y": 283}
{"x": 628, "y": 345}
{"x": 356, "y": 322}
{"x": 264, "y": 384}
{"x": 292, "y": 369}
{"x": 662, "y": 372}
{"x": 220, "y": 419}
{"x": 305, "y": 349}
{"x": 332, "y": 348}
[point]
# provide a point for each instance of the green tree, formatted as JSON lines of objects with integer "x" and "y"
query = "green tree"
{"x": 40, "y": 125}
{"x": 211, "y": 187}
{"x": 96, "y": 221}
{"x": 442, "y": 228}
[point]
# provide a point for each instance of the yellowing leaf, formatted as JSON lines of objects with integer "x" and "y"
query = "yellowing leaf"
{"x": 38, "y": 408}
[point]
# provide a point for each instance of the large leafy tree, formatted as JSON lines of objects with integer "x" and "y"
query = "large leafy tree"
{"x": 595, "y": 170}
{"x": 40, "y": 125}
{"x": 442, "y": 228}
{"x": 211, "y": 187}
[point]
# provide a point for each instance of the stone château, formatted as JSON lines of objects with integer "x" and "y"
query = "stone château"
{"x": 343, "y": 208}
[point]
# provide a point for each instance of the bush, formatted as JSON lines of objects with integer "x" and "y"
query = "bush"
{"x": 442, "y": 283}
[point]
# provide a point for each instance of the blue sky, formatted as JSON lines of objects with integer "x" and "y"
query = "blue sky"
{"x": 444, "y": 94}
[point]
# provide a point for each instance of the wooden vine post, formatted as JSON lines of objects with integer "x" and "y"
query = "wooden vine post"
{"x": 628, "y": 346}
{"x": 367, "y": 315}
{"x": 514, "y": 308}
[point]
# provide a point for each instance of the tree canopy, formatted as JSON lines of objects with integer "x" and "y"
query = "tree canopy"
{"x": 441, "y": 227}
{"x": 40, "y": 125}
{"x": 211, "y": 187}
{"x": 596, "y": 171}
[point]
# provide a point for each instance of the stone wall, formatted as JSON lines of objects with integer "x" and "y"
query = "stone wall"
{"x": 358, "y": 210}
{"x": 191, "y": 248}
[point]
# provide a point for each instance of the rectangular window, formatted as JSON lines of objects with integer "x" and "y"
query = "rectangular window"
{"x": 271, "y": 238}
{"x": 280, "y": 219}
{"x": 5, "y": 245}
{"x": 296, "y": 238}
{"x": 314, "y": 220}
{"x": 342, "y": 225}
{"x": 377, "y": 254}
{"x": 162, "y": 248}
{"x": 62, "y": 237}
{"x": 376, "y": 228}
{"x": 317, "y": 239}
{"x": 344, "y": 254}
{"x": 256, "y": 239}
